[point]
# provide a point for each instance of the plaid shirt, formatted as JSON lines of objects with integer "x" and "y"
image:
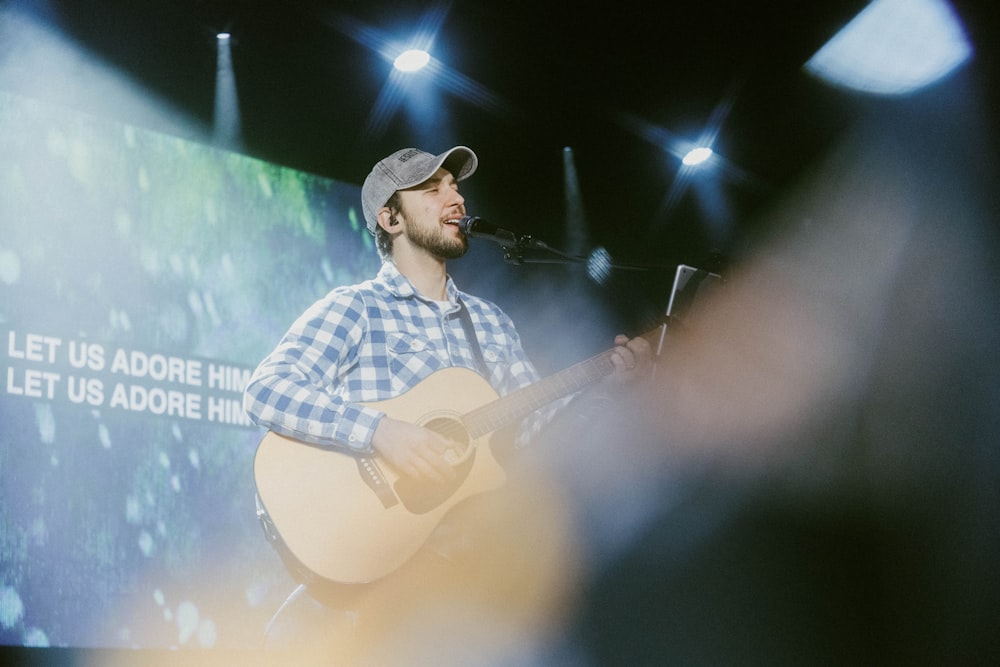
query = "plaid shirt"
{"x": 370, "y": 342}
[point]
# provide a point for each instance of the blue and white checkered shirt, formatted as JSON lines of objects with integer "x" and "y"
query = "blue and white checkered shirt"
{"x": 370, "y": 342}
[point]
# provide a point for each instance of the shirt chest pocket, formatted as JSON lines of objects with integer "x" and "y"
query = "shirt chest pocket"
{"x": 497, "y": 363}
{"x": 411, "y": 359}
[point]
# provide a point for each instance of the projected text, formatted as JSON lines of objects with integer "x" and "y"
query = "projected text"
{"x": 53, "y": 368}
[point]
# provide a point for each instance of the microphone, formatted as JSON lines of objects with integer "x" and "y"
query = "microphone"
{"x": 475, "y": 226}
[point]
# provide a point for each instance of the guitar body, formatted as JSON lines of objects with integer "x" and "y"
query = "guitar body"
{"x": 354, "y": 520}
{"x": 351, "y": 519}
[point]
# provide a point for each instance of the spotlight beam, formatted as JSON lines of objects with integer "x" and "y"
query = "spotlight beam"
{"x": 227, "y": 124}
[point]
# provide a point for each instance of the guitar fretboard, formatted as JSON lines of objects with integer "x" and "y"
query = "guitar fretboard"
{"x": 518, "y": 404}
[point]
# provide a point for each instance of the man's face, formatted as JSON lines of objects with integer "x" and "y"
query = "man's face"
{"x": 425, "y": 212}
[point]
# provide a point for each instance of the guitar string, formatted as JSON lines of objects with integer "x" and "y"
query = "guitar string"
{"x": 503, "y": 411}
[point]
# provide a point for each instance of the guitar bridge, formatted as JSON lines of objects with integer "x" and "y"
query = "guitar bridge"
{"x": 375, "y": 480}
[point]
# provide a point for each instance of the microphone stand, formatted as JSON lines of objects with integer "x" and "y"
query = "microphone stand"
{"x": 514, "y": 253}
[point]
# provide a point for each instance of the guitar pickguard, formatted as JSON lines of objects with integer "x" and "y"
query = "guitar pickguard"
{"x": 422, "y": 497}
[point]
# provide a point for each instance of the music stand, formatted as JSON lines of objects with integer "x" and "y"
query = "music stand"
{"x": 690, "y": 285}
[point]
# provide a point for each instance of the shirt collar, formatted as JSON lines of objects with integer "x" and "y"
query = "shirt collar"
{"x": 400, "y": 285}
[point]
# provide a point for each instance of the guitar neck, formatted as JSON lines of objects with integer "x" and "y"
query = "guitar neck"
{"x": 520, "y": 403}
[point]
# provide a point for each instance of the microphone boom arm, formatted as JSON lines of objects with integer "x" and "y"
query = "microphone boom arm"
{"x": 515, "y": 245}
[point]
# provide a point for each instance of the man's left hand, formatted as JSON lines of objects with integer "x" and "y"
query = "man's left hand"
{"x": 632, "y": 358}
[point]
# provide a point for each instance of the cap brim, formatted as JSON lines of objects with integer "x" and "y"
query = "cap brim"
{"x": 460, "y": 161}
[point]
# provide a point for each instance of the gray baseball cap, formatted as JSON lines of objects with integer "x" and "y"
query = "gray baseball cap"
{"x": 406, "y": 168}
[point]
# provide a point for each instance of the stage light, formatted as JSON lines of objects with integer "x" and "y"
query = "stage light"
{"x": 223, "y": 36}
{"x": 412, "y": 60}
{"x": 697, "y": 156}
{"x": 599, "y": 265}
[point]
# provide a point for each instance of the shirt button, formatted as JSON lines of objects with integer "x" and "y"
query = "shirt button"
{"x": 417, "y": 346}
{"x": 490, "y": 355}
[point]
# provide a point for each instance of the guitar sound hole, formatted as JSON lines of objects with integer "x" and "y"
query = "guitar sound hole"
{"x": 420, "y": 496}
{"x": 452, "y": 429}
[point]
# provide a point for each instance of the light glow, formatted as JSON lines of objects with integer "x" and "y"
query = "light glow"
{"x": 697, "y": 156}
{"x": 894, "y": 47}
{"x": 412, "y": 60}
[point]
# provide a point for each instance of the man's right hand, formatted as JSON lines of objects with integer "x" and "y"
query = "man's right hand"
{"x": 413, "y": 450}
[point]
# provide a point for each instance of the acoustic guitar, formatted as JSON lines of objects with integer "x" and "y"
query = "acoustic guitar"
{"x": 352, "y": 519}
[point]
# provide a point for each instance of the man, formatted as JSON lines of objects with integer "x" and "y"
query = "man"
{"x": 376, "y": 340}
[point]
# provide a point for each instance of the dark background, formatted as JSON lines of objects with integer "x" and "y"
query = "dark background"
{"x": 520, "y": 82}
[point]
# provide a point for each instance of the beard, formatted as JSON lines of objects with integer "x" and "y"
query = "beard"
{"x": 435, "y": 241}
